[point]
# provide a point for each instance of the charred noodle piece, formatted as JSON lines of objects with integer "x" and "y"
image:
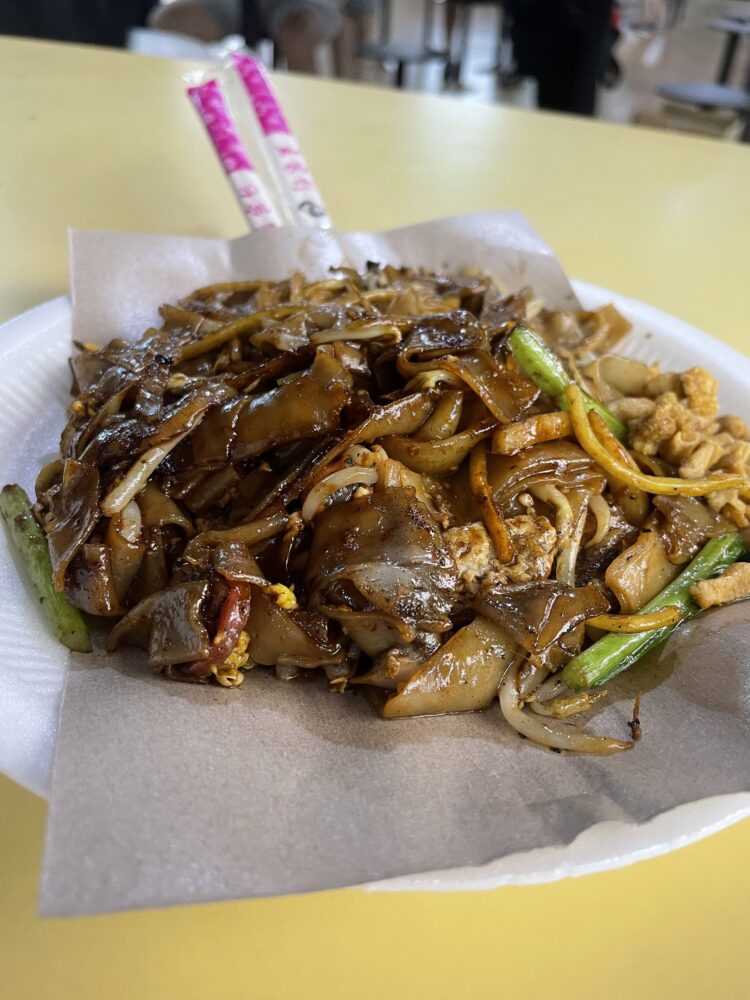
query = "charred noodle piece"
{"x": 462, "y": 676}
{"x": 546, "y": 370}
{"x": 584, "y": 424}
{"x": 32, "y": 549}
{"x": 615, "y": 653}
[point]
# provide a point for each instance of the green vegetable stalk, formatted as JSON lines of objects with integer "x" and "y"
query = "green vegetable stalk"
{"x": 615, "y": 653}
{"x": 29, "y": 542}
{"x": 547, "y": 371}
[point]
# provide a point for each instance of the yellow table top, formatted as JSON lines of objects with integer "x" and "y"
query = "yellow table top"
{"x": 94, "y": 138}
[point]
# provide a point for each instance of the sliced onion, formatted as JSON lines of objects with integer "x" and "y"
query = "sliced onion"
{"x": 537, "y": 729}
{"x": 567, "y": 558}
{"x": 315, "y": 500}
{"x": 130, "y": 523}
{"x": 137, "y": 476}
{"x": 436, "y": 457}
{"x": 564, "y": 517}
{"x": 382, "y": 331}
{"x": 603, "y": 514}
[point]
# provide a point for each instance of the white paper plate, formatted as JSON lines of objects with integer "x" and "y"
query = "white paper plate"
{"x": 34, "y": 349}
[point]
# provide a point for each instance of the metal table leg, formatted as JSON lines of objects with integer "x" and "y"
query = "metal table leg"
{"x": 727, "y": 58}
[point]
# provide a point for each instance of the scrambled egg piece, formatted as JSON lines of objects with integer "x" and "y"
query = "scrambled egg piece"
{"x": 472, "y": 552}
{"x": 733, "y": 584}
{"x": 228, "y": 673}
{"x": 283, "y": 595}
{"x": 535, "y": 545}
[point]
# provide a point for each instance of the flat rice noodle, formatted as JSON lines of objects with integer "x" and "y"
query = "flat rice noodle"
{"x": 688, "y": 525}
{"x": 288, "y": 638}
{"x": 401, "y": 417}
{"x": 117, "y": 442}
{"x": 283, "y": 364}
{"x": 168, "y": 624}
{"x": 87, "y": 368}
{"x": 613, "y": 376}
{"x": 555, "y": 463}
{"x": 75, "y": 439}
{"x": 389, "y": 547}
{"x": 231, "y": 560}
{"x": 307, "y": 407}
{"x": 443, "y": 421}
{"x": 404, "y": 416}
{"x": 393, "y": 668}
{"x": 123, "y": 438}
{"x": 299, "y": 472}
{"x": 640, "y": 572}
{"x": 462, "y": 676}
{"x": 436, "y": 458}
{"x": 505, "y": 393}
{"x": 592, "y": 562}
{"x": 126, "y": 556}
{"x": 372, "y": 631}
{"x": 90, "y": 582}
{"x": 74, "y": 510}
{"x": 209, "y": 445}
{"x": 186, "y": 413}
{"x": 157, "y": 510}
{"x": 250, "y": 534}
{"x": 437, "y": 336}
{"x": 537, "y": 614}
{"x": 214, "y": 490}
{"x": 149, "y": 395}
{"x": 153, "y": 572}
{"x": 501, "y": 312}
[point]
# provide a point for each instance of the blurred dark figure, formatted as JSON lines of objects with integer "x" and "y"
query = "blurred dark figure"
{"x": 563, "y": 44}
{"x": 96, "y": 22}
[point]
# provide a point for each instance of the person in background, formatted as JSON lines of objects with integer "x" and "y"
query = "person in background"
{"x": 298, "y": 27}
{"x": 563, "y": 45}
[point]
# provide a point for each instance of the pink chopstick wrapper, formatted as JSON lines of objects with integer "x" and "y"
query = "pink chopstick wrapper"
{"x": 248, "y": 185}
{"x": 296, "y": 177}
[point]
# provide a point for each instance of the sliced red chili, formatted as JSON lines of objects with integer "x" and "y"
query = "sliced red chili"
{"x": 232, "y": 619}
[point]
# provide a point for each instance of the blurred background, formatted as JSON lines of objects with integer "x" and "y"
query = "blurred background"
{"x": 674, "y": 64}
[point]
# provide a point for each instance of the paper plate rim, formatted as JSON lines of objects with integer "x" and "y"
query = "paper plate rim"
{"x": 602, "y": 847}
